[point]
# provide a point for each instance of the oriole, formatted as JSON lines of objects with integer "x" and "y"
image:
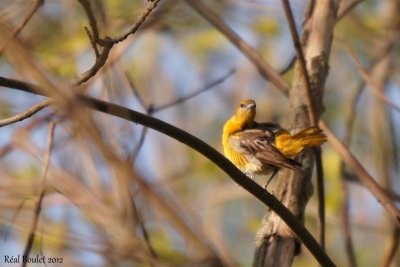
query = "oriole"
{"x": 262, "y": 148}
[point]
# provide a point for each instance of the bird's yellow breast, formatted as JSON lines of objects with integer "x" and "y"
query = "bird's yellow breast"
{"x": 245, "y": 162}
{"x": 236, "y": 158}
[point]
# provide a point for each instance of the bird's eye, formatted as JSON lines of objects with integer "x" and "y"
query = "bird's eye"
{"x": 242, "y": 105}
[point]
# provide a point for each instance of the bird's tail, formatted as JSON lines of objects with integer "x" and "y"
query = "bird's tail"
{"x": 291, "y": 145}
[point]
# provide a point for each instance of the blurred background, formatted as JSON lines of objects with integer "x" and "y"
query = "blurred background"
{"x": 185, "y": 209}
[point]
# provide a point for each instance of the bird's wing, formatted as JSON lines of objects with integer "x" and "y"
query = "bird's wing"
{"x": 259, "y": 143}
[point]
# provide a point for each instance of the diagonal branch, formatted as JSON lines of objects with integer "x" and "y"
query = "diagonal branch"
{"x": 369, "y": 81}
{"x": 25, "y": 21}
{"x": 366, "y": 179}
{"x": 263, "y": 67}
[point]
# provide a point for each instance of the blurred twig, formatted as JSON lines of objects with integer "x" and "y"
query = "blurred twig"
{"x": 369, "y": 81}
{"x": 263, "y": 67}
{"x": 343, "y": 12}
{"x": 207, "y": 87}
{"x": 38, "y": 208}
{"x": 25, "y": 21}
{"x": 142, "y": 227}
{"x": 138, "y": 22}
{"x": 363, "y": 175}
{"x": 107, "y": 43}
{"x": 391, "y": 253}
{"x": 27, "y": 113}
{"x": 345, "y": 191}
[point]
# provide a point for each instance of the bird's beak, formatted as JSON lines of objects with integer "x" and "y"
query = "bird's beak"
{"x": 250, "y": 105}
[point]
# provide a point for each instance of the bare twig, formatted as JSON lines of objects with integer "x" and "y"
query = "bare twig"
{"x": 391, "y": 254}
{"x": 107, "y": 43}
{"x": 263, "y": 67}
{"x": 207, "y": 87}
{"x": 38, "y": 208}
{"x": 25, "y": 21}
{"x": 132, "y": 85}
{"x": 138, "y": 22}
{"x": 347, "y": 9}
{"x": 92, "y": 20}
{"x": 92, "y": 41}
{"x": 363, "y": 175}
{"x": 345, "y": 191}
{"x": 139, "y": 220}
{"x": 302, "y": 60}
{"x": 289, "y": 66}
{"x": 26, "y": 114}
{"x": 369, "y": 81}
{"x": 100, "y": 61}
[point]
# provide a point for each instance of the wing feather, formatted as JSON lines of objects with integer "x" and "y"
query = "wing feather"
{"x": 259, "y": 143}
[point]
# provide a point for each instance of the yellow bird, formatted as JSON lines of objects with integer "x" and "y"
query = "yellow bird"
{"x": 262, "y": 148}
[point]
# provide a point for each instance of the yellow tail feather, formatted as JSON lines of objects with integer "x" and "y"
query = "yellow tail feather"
{"x": 292, "y": 145}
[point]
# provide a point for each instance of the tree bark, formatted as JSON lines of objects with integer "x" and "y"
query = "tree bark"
{"x": 276, "y": 245}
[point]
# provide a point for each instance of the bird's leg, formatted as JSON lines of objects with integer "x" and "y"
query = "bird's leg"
{"x": 274, "y": 172}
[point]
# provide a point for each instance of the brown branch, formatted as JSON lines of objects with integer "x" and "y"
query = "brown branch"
{"x": 92, "y": 41}
{"x": 204, "y": 149}
{"x": 347, "y": 9}
{"x": 302, "y": 61}
{"x": 391, "y": 254}
{"x": 139, "y": 220}
{"x": 107, "y": 43}
{"x": 25, "y": 21}
{"x": 341, "y": 14}
{"x": 312, "y": 117}
{"x": 138, "y": 22}
{"x": 26, "y": 114}
{"x": 369, "y": 81}
{"x": 92, "y": 20}
{"x": 263, "y": 67}
{"x": 345, "y": 191}
{"x": 207, "y": 87}
{"x": 100, "y": 61}
{"x": 366, "y": 179}
{"x": 38, "y": 208}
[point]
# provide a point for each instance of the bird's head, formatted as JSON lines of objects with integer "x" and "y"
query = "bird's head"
{"x": 246, "y": 112}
